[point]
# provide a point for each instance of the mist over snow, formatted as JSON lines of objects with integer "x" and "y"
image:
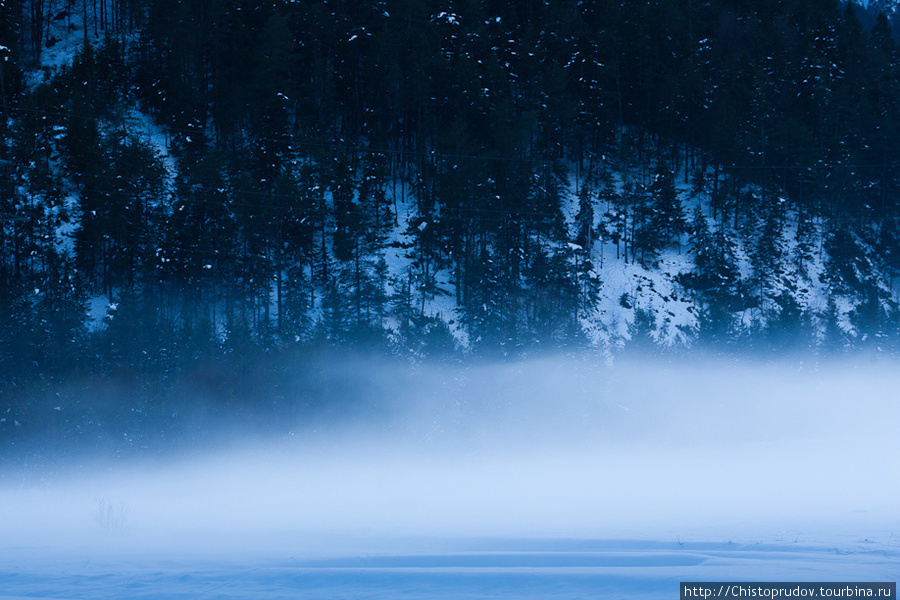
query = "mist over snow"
{"x": 543, "y": 448}
{"x": 547, "y": 478}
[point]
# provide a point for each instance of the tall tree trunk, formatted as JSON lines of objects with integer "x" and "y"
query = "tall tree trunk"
{"x": 84, "y": 18}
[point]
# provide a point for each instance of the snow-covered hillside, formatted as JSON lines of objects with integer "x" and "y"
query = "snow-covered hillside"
{"x": 263, "y": 181}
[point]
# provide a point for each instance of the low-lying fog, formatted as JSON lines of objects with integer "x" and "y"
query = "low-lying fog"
{"x": 542, "y": 448}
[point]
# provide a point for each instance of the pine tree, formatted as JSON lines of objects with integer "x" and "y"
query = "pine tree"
{"x": 766, "y": 260}
{"x": 714, "y": 280}
{"x": 667, "y": 212}
{"x": 200, "y": 247}
{"x": 584, "y": 220}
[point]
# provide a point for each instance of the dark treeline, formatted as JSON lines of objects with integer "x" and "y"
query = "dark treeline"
{"x": 308, "y": 139}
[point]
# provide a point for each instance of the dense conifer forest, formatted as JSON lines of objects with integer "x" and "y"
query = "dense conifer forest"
{"x": 194, "y": 193}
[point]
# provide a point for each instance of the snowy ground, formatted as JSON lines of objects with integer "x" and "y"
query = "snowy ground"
{"x": 546, "y": 479}
{"x": 547, "y": 569}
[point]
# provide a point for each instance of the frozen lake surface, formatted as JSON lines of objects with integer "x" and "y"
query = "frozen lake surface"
{"x": 546, "y": 569}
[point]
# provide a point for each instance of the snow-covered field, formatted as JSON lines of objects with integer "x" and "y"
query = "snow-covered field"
{"x": 544, "y": 479}
{"x": 546, "y": 569}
